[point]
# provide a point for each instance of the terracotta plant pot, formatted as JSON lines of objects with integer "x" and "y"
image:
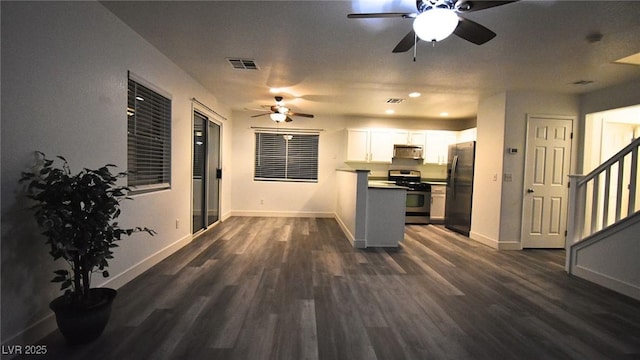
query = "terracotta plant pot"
{"x": 83, "y": 325}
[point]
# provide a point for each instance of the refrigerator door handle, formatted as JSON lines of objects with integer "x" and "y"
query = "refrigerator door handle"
{"x": 454, "y": 167}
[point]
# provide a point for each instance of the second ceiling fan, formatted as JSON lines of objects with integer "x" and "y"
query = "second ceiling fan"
{"x": 279, "y": 112}
{"x": 437, "y": 19}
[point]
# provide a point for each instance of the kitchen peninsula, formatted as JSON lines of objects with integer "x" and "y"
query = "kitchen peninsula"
{"x": 370, "y": 213}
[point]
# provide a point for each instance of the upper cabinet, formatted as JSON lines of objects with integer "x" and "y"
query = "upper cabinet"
{"x": 437, "y": 146}
{"x": 365, "y": 145}
{"x": 358, "y": 145}
{"x": 381, "y": 145}
{"x": 467, "y": 135}
{"x": 408, "y": 137}
{"x": 376, "y": 145}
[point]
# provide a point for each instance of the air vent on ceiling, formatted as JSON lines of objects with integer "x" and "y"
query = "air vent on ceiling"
{"x": 583, "y": 82}
{"x": 394, "y": 101}
{"x": 243, "y": 64}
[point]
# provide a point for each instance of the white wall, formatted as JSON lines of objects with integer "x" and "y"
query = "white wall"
{"x": 607, "y": 132}
{"x": 519, "y": 104}
{"x": 256, "y": 198}
{"x": 605, "y": 99}
{"x": 487, "y": 185}
{"x": 64, "y": 92}
{"x": 497, "y": 204}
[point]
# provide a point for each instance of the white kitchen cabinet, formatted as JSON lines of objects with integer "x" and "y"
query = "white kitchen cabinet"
{"x": 438, "y": 198}
{"x": 417, "y": 138}
{"x": 381, "y": 145}
{"x": 376, "y": 145}
{"x": 437, "y": 146}
{"x": 467, "y": 135}
{"x": 400, "y": 136}
{"x": 406, "y": 137}
{"x": 358, "y": 145}
{"x": 369, "y": 145}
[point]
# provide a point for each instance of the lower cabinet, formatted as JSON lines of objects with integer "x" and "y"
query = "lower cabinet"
{"x": 438, "y": 197}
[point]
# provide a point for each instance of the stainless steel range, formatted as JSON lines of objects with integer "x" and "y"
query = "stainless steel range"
{"x": 418, "y": 205}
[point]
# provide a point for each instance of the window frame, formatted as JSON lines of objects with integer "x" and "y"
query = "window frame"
{"x": 161, "y": 125}
{"x": 286, "y": 161}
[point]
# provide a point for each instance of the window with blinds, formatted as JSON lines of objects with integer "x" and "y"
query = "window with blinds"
{"x": 148, "y": 139}
{"x": 286, "y": 157}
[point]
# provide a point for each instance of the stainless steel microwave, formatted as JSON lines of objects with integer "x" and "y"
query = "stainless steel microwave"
{"x": 407, "y": 152}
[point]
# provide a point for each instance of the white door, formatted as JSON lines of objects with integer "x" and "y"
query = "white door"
{"x": 548, "y": 153}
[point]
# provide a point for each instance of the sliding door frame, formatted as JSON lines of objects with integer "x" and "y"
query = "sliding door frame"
{"x": 216, "y": 119}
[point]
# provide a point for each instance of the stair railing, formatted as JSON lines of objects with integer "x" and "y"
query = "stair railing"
{"x": 605, "y": 196}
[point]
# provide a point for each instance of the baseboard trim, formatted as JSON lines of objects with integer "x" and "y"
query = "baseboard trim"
{"x": 225, "y": 216}
{"x": 46, "y": 325}
{"x": 303, "y": 214}
{"x": 498, "y": 245}
{"x": 608, "y": 282}
{"x": 345, "y": 230}
{"x": 483, "y": 239}
{"x": 509, "y": 245}
{"x": 136, "y": 270}
{"x": 356, "y": 243}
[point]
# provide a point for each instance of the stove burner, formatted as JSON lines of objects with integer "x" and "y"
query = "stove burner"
{"x": 413, "y": 185}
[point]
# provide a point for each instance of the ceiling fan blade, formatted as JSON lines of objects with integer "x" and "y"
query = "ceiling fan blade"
{"x": 381, "y": 15}
{"x": 469, "y": 6}
{"x": 300, "y": 114}
{"x": 406, "y": 43}
{"x": 473, "y": 32}
{"x": 260, "y": 115}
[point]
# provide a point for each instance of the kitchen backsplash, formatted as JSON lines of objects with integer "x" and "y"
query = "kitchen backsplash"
{"x": 428, "y": 171}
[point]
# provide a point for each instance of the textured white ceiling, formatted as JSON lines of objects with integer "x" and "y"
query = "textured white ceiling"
{"x": 328, "y": 64}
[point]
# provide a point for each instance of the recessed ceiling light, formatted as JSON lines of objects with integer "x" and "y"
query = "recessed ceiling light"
{"x": 415, "y": 94}
{"x": 275, "y": 90}
{"x": 389, "y": 112}
{"x": 444, "y": 113}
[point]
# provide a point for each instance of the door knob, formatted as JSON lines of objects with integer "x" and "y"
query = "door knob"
{"x": 530, "y": 190}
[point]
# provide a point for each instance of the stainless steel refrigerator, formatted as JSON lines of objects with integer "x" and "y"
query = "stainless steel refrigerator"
{"x": 460, "y": 164}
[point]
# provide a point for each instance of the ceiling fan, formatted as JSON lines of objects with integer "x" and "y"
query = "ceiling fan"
{"x": 437, "y": 19}
{"x": 279, "y": 112}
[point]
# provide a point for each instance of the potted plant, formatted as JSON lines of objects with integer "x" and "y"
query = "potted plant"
{"x": 78, "y": 213}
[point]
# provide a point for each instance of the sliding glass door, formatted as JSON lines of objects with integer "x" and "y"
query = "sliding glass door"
{"x": 215, "y": 173}
{"x": 206, "y": 172}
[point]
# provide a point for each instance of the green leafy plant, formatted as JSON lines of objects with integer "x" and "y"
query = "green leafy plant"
{"x": 78, "y": 213}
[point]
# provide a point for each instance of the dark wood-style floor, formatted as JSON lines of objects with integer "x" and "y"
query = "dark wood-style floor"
{"x": 294, "y": 288}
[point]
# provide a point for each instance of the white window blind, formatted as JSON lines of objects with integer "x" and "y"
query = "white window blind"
{"x": 148, "y": 138}
{"x": 286, "y": 157}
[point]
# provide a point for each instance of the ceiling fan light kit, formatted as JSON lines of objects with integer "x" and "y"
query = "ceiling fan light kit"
{"x": 278, "y": 117}
{"x": 435, "y": 25}
{"x": 435, "y": 20}
{"x": 279, "y": 112}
